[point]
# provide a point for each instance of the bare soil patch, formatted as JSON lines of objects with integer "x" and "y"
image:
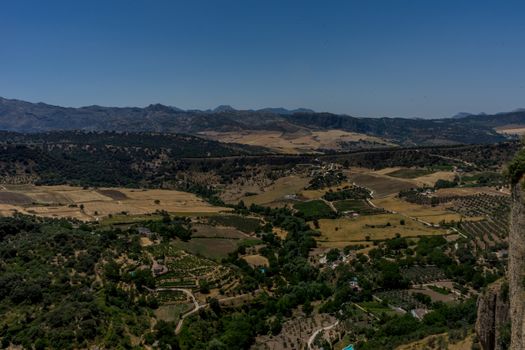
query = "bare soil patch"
{"x": 113, "y": 194}
{"x": 374, "y": 227}
{"x": 256, "y": 260}
{"x": 14, "y": 198}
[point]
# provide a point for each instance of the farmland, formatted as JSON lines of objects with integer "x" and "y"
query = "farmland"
{"x": 425, "y": 213}
{"x": 328, "y": 254}
{"x": 276, "y": 193}
{"x": 94, "y": 203}
{"x": 409, "y": 173}
{"x": 381, "y": 185}
{"x": 314, "y": 209}
{"x": 302, "y": 141}
{"x": 375, "y": 227}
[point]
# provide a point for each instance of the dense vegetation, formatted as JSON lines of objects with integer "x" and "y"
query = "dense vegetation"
{"x": 59, "y": 286}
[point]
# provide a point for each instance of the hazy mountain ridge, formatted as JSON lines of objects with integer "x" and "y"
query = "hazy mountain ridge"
{"x": 21, "y": 116}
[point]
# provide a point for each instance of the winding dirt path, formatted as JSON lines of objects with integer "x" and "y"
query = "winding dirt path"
{"x": 314, "y": 334}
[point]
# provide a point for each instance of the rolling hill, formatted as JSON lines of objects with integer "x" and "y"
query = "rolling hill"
{"x": 21, "y": 116}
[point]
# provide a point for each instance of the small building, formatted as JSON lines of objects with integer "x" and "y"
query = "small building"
{"x": 158, "y": 269}
{"x": 418, "y": 313}
{"x": 354, "y": 284}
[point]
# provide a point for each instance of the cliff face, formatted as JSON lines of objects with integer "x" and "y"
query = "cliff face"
{"x": 493, "y": 315}
{"x": 516, "y": 271}
{"x": 500, "y": 305}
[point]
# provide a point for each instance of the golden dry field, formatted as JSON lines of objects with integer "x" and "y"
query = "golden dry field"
{"x": 372, "y": 227}
{"x": 256, "y": 260}
{"x": 430, "y": 179}
{"x": 426, "y": 213}
{"x": 381, "y": 185}
{"x": 424, "y": 180}
{"x": 511, "y": 129}
{"x": 316, "y": 194}
{"x": 276, "y": 192}
{"x": 302, "y": 141}
{"x": 94, "y": 204}
{"x": 469, "y": 191}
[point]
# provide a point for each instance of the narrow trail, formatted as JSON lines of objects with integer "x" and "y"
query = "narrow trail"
{"x": 330, "y": 204}
{"x": 314, "y": 334}
{"x": 196, "y": 305}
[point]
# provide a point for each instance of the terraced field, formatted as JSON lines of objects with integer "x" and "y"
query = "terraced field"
{"x": 187, "y": 270}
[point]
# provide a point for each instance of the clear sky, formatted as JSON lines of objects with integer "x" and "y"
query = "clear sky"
{"x": 416, "y": 58}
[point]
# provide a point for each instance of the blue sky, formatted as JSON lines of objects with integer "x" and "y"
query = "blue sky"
{"x": 364, "y": 58}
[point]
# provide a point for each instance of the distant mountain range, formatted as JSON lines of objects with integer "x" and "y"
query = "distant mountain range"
{"x": 21, "y": 116}
{"x": 228, "y": 108}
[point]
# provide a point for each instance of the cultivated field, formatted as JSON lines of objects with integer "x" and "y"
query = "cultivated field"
{"x": 374, "y": 227}
{"x": 409, "y": 173}
{"x": 256, "y": 260}
{"x": 426, "y": 213}
{"x": 302, "y": 141}
{"x": 93, "y": 204}
{"x": 212, "y": 248}
{"x": 381, "y": 185}
{"x": 430, "y": 179}
{"x": 316, "y": 194}
{"x": 511, "y": 129}
{"x": 276, "y": 193}
{"x": 469, "y": 191}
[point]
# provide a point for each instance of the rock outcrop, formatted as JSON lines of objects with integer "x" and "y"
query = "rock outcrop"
{"x": 493, "y": 315}
{"x": 516, "y": 271}
{"x": 500, "y": 305}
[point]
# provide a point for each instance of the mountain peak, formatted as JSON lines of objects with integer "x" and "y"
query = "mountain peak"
{"x": 224, "y": 108}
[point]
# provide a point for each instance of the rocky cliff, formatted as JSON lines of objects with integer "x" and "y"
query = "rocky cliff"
{"x": 493, "y": 316}
{"x": 503, "y": 302}
{"x": 516, "y": 271}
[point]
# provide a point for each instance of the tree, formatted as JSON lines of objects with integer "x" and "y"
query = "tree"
{"x": 308, "y": 308}
{"x": 204, "y": 286}
{"x": 333, "y": 255}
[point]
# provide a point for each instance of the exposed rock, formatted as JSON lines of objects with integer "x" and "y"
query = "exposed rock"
{"x": 493, "y": 315}
{"x": 516, "y": 271}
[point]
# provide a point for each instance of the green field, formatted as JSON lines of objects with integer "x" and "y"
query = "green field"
{"x": 359, "y": 206}
{"x": 213, "y": 248}
{"x": 172, "y": 312}
{"x": 316, "y": 209}
{"x": 242, "y": 223}
{"x": 376, "y": 308}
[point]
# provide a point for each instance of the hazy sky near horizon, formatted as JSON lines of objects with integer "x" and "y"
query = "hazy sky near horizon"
{"x": 417, "y": 58}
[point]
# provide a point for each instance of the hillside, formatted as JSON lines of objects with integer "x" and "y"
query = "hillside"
{"x": 21, "y": 116}
{"x": 103, "y": 158}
